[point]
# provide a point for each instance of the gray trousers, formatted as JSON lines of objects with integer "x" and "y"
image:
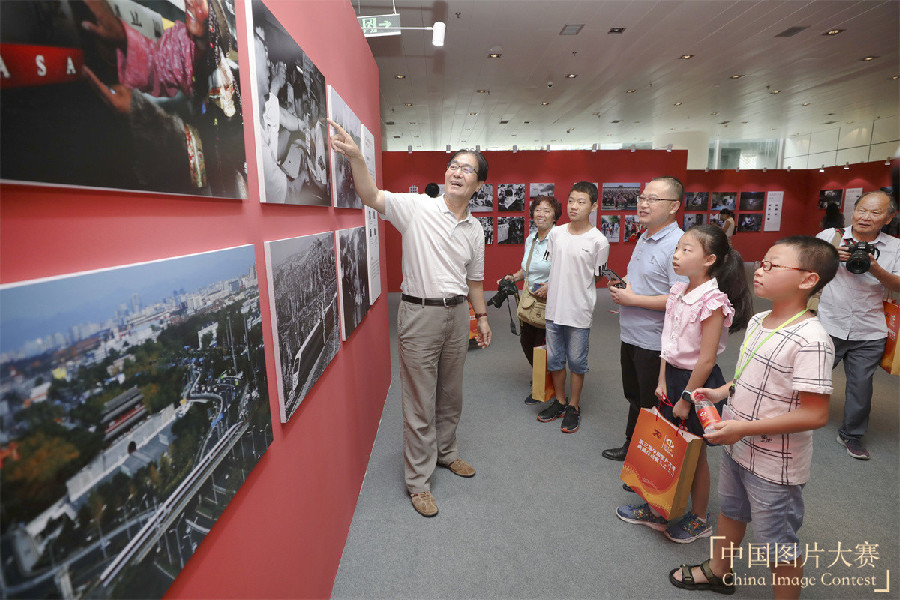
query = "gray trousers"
{"x": 861, "y": 359}
{"x": 433, "y": 341}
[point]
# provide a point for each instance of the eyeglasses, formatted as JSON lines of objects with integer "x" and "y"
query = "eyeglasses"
{"x": 875, "y": 214}
{"x": 653, "y": 199}
{"x": 768, "y": 265}
{"x": 466, "y": 169}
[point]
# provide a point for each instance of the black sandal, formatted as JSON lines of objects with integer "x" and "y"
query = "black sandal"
{"x": 713, "y": 583}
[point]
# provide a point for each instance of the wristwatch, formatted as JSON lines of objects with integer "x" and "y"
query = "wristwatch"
{"x": 686, "y": 396}
{"x": 479, "y": 315}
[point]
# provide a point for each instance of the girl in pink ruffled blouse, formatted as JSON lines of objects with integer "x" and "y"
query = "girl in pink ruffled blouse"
{"x": 699, "y": 315}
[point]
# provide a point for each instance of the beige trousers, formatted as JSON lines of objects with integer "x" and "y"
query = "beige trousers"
{"x": 433, "y": 341}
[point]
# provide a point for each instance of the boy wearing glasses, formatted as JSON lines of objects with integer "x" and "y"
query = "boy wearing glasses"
{"x": 576, "y": 250}
{"x": 779, "y": 395}
{"x": 642, "y": 301}
{"x": 443, "y": 263}
{"x": 851, "y": 312}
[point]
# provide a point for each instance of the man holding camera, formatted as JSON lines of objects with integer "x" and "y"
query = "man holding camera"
{"x": 443, "y": 263}
{"x": 851, "y": 311}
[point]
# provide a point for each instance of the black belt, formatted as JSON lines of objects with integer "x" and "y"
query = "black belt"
{"x": 451, "y": 301}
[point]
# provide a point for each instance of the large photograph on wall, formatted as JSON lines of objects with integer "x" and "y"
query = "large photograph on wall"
{"x": 289, "y": 94}
{"x": 353, "y": 278}
{"x": 511, "y": 197}
{"x": 483, "y": 199}
{"x": 303, "y": 294}
{"x": 344, "y": 193}
{"x": 619, "y": 196}
{"x": 122, "y": 94}
{"x": 134, "y": 406}
{"x": 487, "y": 226}
{"x": 510, "y": 230}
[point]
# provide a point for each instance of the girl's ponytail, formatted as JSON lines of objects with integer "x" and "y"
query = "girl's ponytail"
{"x": 729, "y": 273}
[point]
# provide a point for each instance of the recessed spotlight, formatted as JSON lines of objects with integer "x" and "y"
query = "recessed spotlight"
{"x": 396, "y": 137}
{"x": 494, "y": 55}
{"x": 616, "y": 30}
{"x": 544, "y": 103}
{"x": 388, "y": 122}
{"x": 399, "y": 76}
{"x": 822, "y": 169}
{"x": 868, "y": 58}
{"x": 714, "y": 113}
{"x": 805, "y": 104}
{"x": 847, "y": 166}
{"x": 616, "y": 121}
{"x": 630, "y": 91}
{"x": 678, "y": 104}
{"x": 596, "y": 114}
{"x": 834, "y": 31}
{"x": 636, "y": 122}
{"x": 505, "y": 122}
{"x": 472, "y": 114}
{"x": 571, "y": 75}
{"x": 686, "y": 56}
{"x": 412, "y": 122}
{"x": 483, "y": 91}
{"x": 895, "y": 77}
{"x": 407, "y": 104}
{"x": 775, "y": 92}
{"x": 527, "y": 122}
{"x": 736, "y": 76}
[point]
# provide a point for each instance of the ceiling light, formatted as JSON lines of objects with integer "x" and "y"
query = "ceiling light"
{"x": 472, "y": 114}
{"x": 616, "y": 30}
{"x": 636, "y": 122}
{"x": 399, "y": 76}
{"x": 887, "y": 161}
{"x": 412, "y": 122}
{"x": 868, "y": 58}
{"x": 571, "y": 29}
{"x": 764, "y": 169}
{"x": 630, "y": 91}
{"x": 409, "y": 148}
{"x": 686, "y": 56}
{"x": 571, "y": 75}
{"x": 448, "y": 149}
{"x": 494, "y": 55}
{"x": 738, "y": 170}
{"x": 548, "y": 147}
{"x": 805, "y": 104}
{"x": 437, "y": 33}
{"x": 895, "y": 77}
{"x": 822, "y": 169}
{"x": 407, "y": 104}
{"x": 668, "y": 147}
{"x": 633, "y": 148}
{"x": 678, "y": 104}
{"x": 744, "y": 122}
{"x": 477, "y": 147}
{"x": 775, "y": 92}
{"x": 707, "y": 169}
{"x": 515, "y": 148}
{"x": 396, "y": 137}
{"x": 388, "y": 122}
{"x": 789, "y": 169}
{"x": 833, "y": 31}
{"x": 847, "y": 166}
{"x": 736, "y": 76}
{"x": 544, "y": 103}
{"x": 483, "y": 91}
{"x": 594, "y": 148}
{"x": 527, "y": 122}
{"x": 714, "y": 113}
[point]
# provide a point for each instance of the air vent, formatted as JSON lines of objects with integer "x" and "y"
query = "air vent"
{"x": 616, "y": 30}
{"x": 571, "y": 29}
{"x": 792, "y": 31}
{"x": 388, "y": 122}
{"x": 616, "y": 121}
{"x": 396, "y": 137}
{"x": 504, "y": 122}
{"x": 830, "y": 122}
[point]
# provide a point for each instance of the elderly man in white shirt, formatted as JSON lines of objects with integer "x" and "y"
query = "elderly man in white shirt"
{"x": 851, "y": 312}
{"x": 443, "y": 264}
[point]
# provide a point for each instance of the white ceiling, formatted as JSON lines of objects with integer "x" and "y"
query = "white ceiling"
{"x": 725, "y": 37}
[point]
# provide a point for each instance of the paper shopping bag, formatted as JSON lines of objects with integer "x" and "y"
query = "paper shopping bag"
{"x": 660, "y": 463}
{"x": 890, "y": 361}
{"x": 541, "y": 381}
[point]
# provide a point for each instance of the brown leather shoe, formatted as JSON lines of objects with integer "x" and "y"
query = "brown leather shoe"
{"x": 461, "y": 468}
{"x": 424, "y": 504}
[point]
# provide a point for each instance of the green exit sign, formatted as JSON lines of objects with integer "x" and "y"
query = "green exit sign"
{"x": 378, "y": 25}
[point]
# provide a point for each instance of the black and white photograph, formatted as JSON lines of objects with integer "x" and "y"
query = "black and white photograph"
{"x": 510, "y": 230}
{"x": 291, "y": 99}
{"x": 483, "y": 199}
{"x": 511, "y": 197}
{"x": 303, "y": 292}
{"x": 487, "y": 224}
{"x": 128, "y": 106}
{"x": 541, "y": 189}
{"x": 610, "y": 226}
{"x": 353, "y": 278}
{"x": 827, "y": 197}
{"x": 751, "y": 222}
{"x": 696, "y": 201}
{"x": 752, "y": 201}
{"x": 692, "y": 219}
{"x": 720, "y": 200}
{"x": 136, "y": 401}
{"x": 619, "y": 196}
{"x": 631, "y": 228}
{"x": 344, "y": 191}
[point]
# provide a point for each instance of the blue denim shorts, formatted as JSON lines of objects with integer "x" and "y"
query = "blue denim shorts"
{"x": 565, "y": 343}
{"x": 775, "y": 510}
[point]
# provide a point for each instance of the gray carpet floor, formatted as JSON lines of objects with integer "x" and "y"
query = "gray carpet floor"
{"x": 538, "y": 520}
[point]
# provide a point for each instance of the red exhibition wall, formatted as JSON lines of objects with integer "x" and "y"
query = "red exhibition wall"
{"x": 283, "y": 534}
{"x": 800, "y": 212}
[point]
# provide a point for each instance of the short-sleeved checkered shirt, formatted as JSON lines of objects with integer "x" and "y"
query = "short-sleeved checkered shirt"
{"x": 797, "y": 358}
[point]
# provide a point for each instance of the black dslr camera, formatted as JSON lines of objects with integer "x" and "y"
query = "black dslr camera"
{"x": 859, "y": 261}
{"x": 507, "y": 288}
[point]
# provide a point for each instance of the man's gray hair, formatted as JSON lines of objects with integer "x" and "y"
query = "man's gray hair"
{"x": 892, "y": 204}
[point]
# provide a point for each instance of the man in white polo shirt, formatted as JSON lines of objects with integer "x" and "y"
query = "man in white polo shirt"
{"x": 443, "y": 263}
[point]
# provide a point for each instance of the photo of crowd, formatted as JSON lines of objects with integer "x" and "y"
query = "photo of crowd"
{"x": 541, "y": 189}
{"x": 511, "y": 197}
{"x": 720, "y": 200}
{"x": 510, "y": 230}
{"x": 631, "y": 228}
{"x": 620, "y": 196}
{"x": 290, "y": 96}
{"x": 609, "y": 226}
{"x": 123, "y": 103}
{"x": 483, "y": 199}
